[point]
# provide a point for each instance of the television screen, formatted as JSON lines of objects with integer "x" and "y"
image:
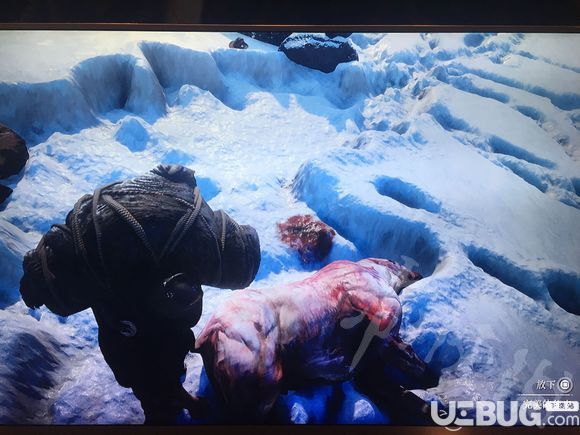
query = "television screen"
{"x": 289, "y": 228}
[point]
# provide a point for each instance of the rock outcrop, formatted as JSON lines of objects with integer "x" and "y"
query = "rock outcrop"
{"x": 317, "y": 51}
{"x": 5, "y": 192}
{"x": 13, "y": 152}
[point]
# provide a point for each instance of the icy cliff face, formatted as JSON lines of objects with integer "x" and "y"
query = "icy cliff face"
{"x": 457, "y": 155}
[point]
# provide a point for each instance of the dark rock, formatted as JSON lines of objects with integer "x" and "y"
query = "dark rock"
{"x": 13, "y": 152}
{"x": 274, "y": 38}
{"x": 318, "y": 52}
{"x": 238, "y": 43}
{"x": 311, "y": 238}
{"x": 5, "y": 192}
{"x": 334, "y": 35}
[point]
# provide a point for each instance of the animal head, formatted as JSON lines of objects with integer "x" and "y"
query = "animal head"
{"x": 403, "y": 276}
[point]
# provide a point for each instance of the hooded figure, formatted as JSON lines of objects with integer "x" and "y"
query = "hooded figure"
{"x": 137, "y": 252}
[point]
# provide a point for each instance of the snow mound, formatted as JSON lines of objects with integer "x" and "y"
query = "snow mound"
{"x": 133, "y": 134}
{"x": 33, "y": 363}
{"x": 93, "y": 87}
{"x": 558, "y": 84}
{"x": 175, "y": 66}
{"x": 14, "y": 243}
{"x": 92, "y": 396}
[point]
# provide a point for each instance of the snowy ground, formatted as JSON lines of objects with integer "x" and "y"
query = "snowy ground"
{"x": 457, "y": 155}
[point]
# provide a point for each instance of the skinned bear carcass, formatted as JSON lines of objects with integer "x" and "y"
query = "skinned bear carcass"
{"x": 340, "y": 323}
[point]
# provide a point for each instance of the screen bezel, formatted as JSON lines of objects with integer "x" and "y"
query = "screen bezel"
{"x": 205, "y": 27}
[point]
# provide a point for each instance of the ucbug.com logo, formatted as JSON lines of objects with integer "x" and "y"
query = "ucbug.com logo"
{"x": 485, "y": 413}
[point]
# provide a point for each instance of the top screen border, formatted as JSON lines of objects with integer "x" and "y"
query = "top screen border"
{"x": 351, "y": 13}
{"x": 178, "y": 27}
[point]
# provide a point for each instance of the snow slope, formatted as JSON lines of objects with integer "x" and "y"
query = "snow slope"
{"x": 455, "y": 154}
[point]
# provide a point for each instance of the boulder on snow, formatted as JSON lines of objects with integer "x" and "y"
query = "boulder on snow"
{"x": 317, "y": 51}
{"x": 238, "y": 43}
{"x": 311, "y": 238}
{"x": 274, "y": 38}
{"x": 13, "y": 152}
{"x": 5, "y": 192}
